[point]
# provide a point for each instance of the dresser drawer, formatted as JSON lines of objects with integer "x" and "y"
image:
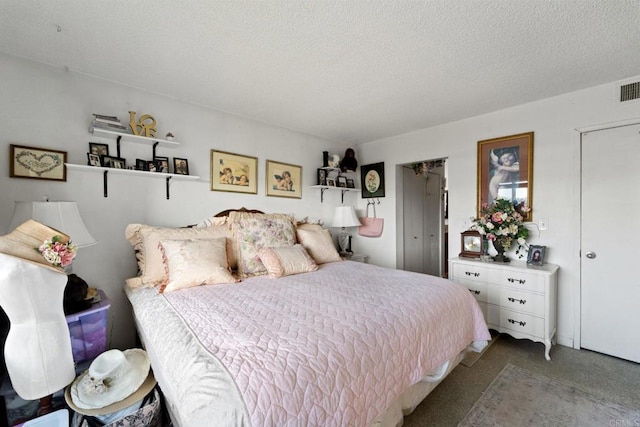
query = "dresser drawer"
{"x": 508, "y": 320}
{"x": 466, "y": 272}
{"x": 516, "y": 300}
{"x": 477, "y": 289}
{"x": 518, "y": 279}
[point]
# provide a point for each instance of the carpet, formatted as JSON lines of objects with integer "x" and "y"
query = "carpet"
{"x": 472, "y": 357}
{"x": 518, "y": 397}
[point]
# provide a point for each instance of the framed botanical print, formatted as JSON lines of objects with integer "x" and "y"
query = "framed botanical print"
{"x": 505, "y": 170}
{"x": 283, "y": 180}
{"x": 372, "y": 178}
{"x": 38, "y": 163}
{"x": 234, "y": 172}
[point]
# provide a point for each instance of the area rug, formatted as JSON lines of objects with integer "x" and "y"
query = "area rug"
{"x": 472, "y": 357}
{"x": 518, "y": 397}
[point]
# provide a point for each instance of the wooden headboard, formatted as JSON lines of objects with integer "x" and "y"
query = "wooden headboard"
{"x": 226, "y": 212}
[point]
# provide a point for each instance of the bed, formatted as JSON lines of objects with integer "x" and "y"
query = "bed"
{"x": 305, "y": 341}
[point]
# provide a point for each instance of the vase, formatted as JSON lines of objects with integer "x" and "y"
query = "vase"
{"x": 499, "y": 247}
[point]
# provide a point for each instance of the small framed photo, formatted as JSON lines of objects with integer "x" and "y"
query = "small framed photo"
{"x": 93, "y": 159}
{"x": 342, "y": 181}
{"x": 536, "y": 255}
{"x": 141, "y": 165}
{"x": 322, "y": 177}
{"x": 234, "y": 172}
{"x": 99, "y": 149}
{"x": 162, "y": 164}
{"x": 283, "y": 180}
{"x": 151, "y": 166}
{"x": 113, "y": 162}
{"x": 350, "y": 183}
{"x": 38, "y": 163}
{"x": 331, "y": 182}
{"x": 180, "y": 166}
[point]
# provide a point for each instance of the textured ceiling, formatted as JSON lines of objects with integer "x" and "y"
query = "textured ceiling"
{"x": 351, "y": 71}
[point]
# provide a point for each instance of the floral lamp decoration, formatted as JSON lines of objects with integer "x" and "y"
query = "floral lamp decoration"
{"x": 58, "y": 253}
{"x": 502, "y": 223}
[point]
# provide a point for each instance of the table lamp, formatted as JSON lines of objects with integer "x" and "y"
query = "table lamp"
{"x": 343, "y": 217}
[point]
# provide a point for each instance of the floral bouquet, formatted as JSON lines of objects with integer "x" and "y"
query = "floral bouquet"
{"x": 58, "y": 253}
{"x": 503, "y": 221}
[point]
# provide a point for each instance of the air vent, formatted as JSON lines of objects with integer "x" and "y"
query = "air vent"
{"x": 630, "y": 92}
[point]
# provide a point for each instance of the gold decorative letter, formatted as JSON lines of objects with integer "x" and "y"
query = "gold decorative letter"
{"x": 141, "y": 128}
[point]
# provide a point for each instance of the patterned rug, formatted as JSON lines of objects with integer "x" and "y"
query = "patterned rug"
{"x": 518, "y": 397}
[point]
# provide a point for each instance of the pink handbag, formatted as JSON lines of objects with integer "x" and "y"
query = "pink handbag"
{"x": 371, "y": 226}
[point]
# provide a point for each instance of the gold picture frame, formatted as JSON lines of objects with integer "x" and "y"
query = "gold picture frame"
{"x": 283, "y": 180}
{"x": 234, "y": 172}
{"x": 37, "y": 163}
{"x": 505, "y": 170}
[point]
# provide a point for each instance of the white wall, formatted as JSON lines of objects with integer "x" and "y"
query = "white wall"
{"x": 556, "y": 176}
{"x": 42, "y": 106}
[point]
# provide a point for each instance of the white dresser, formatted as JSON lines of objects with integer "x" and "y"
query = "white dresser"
{"x": 515, "y": 298}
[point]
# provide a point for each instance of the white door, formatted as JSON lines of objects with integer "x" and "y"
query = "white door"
{"x": 610, "y": 288}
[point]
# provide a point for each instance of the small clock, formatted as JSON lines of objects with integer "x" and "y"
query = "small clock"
{"x": 471, "y": 244}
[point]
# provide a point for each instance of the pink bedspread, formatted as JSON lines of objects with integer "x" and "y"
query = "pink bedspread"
{"x": 332, "y": 347}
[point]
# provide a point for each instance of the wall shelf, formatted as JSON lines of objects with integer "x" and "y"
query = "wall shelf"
{"x": 128, "y": 137}
{"x": 323, "y": 188}
{"x": 105, "y": 172}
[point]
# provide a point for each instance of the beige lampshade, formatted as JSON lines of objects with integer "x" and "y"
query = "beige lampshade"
{"x": 345, "y": 216}
{"x": 63, "y": 216}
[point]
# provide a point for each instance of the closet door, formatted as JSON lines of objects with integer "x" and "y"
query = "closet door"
{"x": 610, "y": 245}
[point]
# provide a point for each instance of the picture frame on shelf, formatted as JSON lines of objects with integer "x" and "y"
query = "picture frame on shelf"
{"x": 162, "y": 164}
{"x": 234, "y": 172}
{"x": 372, "y": 179}
{"x": 283, "y": 180}
{"x": 141, "y": 165}
{"x": 331, "y": 182}
{"x": 535, "y": 255}
{"x": 37, "y": 163}
{"x": 113, "y": 162}
{"x": 151, "y": 166}
{"x": 351, "y": 183}
{"x": 93, "y": 159}
{"x": 322, "y": 176}
{"x": 505, "y": 170}
{"x": 99, "y": 148}
{"x": 180, "y": 166}
{"x": 341, "y": 181}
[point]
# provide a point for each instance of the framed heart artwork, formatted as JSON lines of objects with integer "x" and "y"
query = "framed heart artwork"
{"x": 38, "y": 163}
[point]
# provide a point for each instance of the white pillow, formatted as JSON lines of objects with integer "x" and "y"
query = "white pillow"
{"x": 285, "y": 261}
{"x": 191, "y": 263}
{"x": 319, "y": 244}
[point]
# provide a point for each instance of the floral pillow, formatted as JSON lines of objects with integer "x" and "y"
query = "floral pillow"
{"x": 255, "y": 231}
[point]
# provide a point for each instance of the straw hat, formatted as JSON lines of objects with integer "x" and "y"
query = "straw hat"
{"x": 24, "y": 241}
{"x": 114, "y": 381}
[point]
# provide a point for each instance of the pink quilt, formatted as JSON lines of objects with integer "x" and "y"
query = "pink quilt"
{"x": 332, "y": 347}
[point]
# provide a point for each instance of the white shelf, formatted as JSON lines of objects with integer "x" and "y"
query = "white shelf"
{"x": 323, "y": 188}
{"x": 106, "y": 171}
{"x": 128, "y": 137}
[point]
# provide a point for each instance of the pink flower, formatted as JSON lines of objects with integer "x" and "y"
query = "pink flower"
{"x": 66, "y": 258}
{"x": 497, "y": 217}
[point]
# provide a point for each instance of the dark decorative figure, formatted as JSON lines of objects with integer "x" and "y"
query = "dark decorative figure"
{"x": 349, "y": 162}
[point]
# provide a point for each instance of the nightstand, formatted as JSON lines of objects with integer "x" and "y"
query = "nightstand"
{"x": 358, "y": 258}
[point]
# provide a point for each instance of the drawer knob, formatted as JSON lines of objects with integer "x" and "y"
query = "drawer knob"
{"x": 521, "y": 301}
{"x": 517, "y": 322}
{"x": 470, "y": 273}
{"x": 520, "y": 281}
{"x": 473, "y": 291}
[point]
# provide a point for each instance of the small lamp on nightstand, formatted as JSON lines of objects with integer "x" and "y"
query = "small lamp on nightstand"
{"x": 343, "y": 217}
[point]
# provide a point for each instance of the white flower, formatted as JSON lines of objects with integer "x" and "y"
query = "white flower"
{"x": 521, "y": 241}
{"x": 490, "y": 226}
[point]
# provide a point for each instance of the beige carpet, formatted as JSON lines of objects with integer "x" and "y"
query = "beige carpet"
{"x": 518, "y": 397}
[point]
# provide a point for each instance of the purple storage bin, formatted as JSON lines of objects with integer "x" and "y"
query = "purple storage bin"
{"x": 88, "y": 330}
